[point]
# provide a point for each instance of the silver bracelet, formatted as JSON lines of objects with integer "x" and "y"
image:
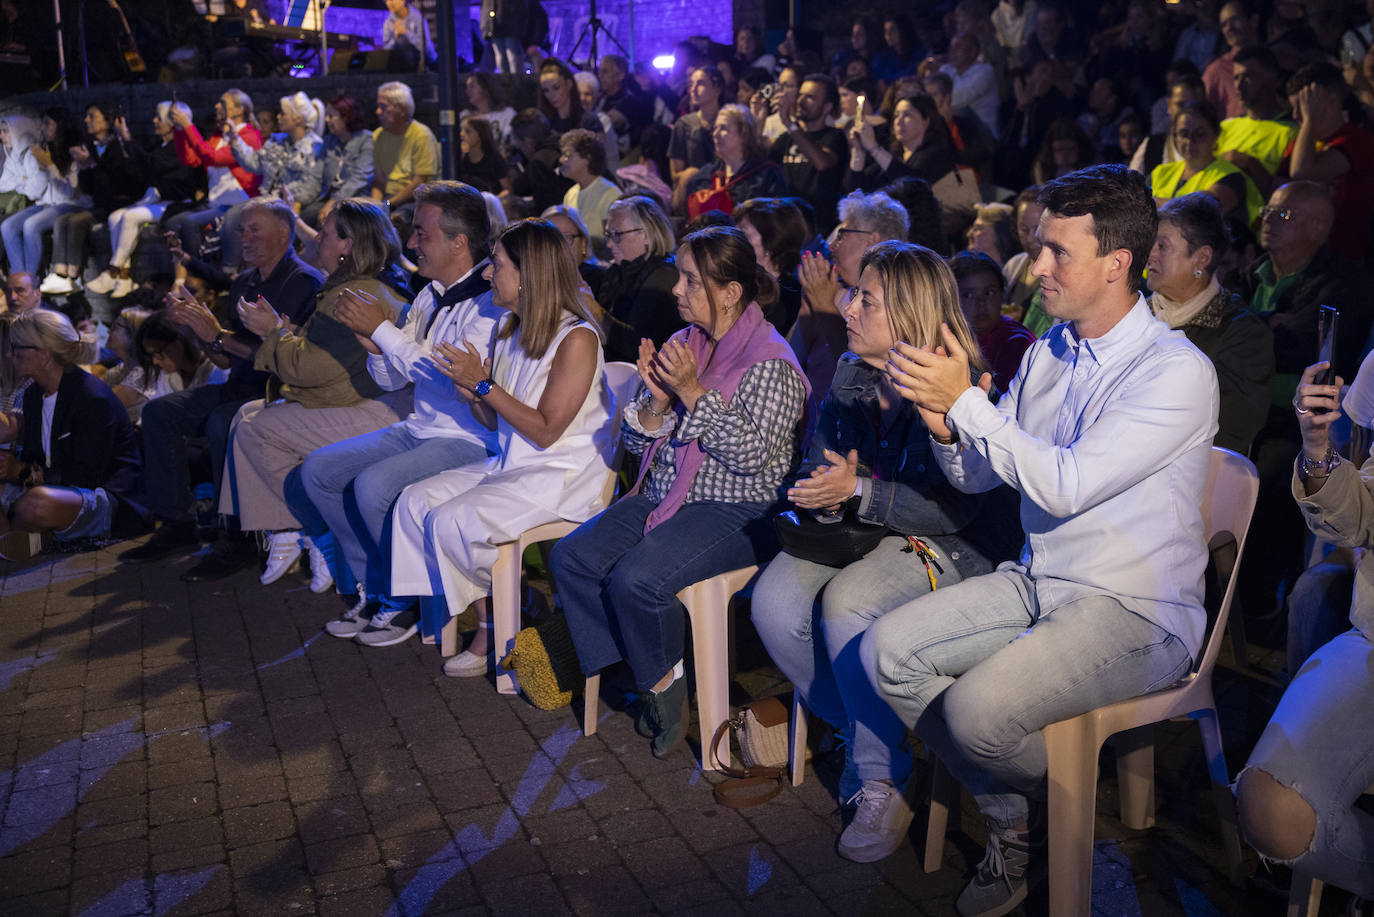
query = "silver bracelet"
{"x": 1322, "y": 467}
{"x": 644, "y": 406}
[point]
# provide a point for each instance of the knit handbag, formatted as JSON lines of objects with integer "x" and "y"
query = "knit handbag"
{"x": 761, "y": 728}
{"x": 544, "y": 661}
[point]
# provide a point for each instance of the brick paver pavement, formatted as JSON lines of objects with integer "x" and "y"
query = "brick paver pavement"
{"x": 180, "y": 749}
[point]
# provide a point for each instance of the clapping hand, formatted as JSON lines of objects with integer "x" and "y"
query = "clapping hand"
{"x": 259, "y": 317}
{"x": 933, "y": 379}
{"x": 360, "y": 311}
{"x": 196, "y": 316}
{"x": 174, "y": 247}
{"x": 676, "y": 365}
{"x": 465, "y": 367}
{"x": 648, "y": 371}
{"x": 829, "y": 485}
{"x": 820, "y": 282}
{"x": 81, "y": 154}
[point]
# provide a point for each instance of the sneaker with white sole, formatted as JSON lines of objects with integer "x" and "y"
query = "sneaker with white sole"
{"x": 56, "y": 285}
{"x": 390, "y": 626}
{"x": 879, "y": 826}
{"x": 103, "y": 284}
{"x": 466, "y": 665}
{"x": 122, "y": 288}
{"x": 1004, "y": 877}
{"x": 320, "y": 578}
{"x": 349, "y": 624}
{"x": 283, "y": 553}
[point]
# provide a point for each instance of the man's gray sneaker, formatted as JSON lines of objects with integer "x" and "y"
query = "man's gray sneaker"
{"x": 1004, "y": 877}
{"x": 390, "y": 626}
{"x": 880, "y": 824}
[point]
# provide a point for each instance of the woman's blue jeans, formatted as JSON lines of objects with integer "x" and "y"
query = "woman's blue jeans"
{"x": 619, "y": 586}
{"x": 1319, "y": 743}
{"x": 23, "y": 235}
{"x": 812, "y": 618}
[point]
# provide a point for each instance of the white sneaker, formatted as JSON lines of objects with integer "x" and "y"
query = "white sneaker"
{"x": 103, "y": 284}
{"x": 466, "y": 665}
{"x": 351, "y": 622}
{"x": 283, "y": 552}
{"x": 122, "y": 288}
{"x": 320, "y": 578}
{"x": 879, "y": 826}
{"x": 56, "y": 285}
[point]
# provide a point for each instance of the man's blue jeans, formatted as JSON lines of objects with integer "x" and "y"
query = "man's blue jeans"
{"x": 978, "y": 670}
{"x": 619, "y": 586}
{"x": 354, "y": 483}
{"x": 815, "y": 642}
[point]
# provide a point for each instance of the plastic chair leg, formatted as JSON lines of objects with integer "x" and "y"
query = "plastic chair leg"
{"x": 944, "y": 800}
{"x": 1221, "y": 791}
{"x": 448, "y": 638}
{"x": 797, "y": 759}
{"x": 1305, "y": 896}
{"x": 708, "y": 606}
{"x": 1073, "y": 803}
{"x": 505, "y": 608}
{"x": 1135, "y": 775}
{"x": 591, "y": 704}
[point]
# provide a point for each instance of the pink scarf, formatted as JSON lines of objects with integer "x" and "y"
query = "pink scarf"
{"x": 751, "y": 340}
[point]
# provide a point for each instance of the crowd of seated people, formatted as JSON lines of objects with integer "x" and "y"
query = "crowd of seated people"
{"x": 996, "y": 287}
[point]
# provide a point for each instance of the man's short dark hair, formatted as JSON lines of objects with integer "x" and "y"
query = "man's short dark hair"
{"x": 1120, "y": 204}
{"x": 462, "y": 212}
{"x": 530, "y": 124}
{"x": 832, "y": 92}
{"x": 1257, "y": 54}
{"x": 1321, "y": 73}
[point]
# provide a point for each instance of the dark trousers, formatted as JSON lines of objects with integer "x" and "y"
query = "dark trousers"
{"x": 619, "y": 586}
{"x": 168, "y": 422}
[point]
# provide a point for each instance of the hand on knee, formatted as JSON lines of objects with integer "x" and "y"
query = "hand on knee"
{"x": 1274, "y": 818}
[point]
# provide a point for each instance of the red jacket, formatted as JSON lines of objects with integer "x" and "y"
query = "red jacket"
{"x": 194, "y": 151}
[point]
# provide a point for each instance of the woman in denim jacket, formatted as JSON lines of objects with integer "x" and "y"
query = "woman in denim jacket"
{"x": 872, "y": 452}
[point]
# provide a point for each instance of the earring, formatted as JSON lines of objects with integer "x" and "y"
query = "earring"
{"x": 341, "y": 259}
{"x": 1197, "y": 273}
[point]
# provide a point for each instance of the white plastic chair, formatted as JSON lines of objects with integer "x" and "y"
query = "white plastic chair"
{"x": 708, "y": 609}
{"x": 623, "y": 380}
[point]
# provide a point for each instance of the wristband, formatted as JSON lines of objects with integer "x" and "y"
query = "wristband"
{"x": 217, "y": 345}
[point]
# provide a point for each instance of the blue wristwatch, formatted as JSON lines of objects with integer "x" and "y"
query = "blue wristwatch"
{"x": 483, "y": 388}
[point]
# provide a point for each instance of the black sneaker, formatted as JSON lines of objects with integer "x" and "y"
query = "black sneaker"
{"x": 1012, "y": 863}
{"x": 170, "y": 538}
{"x": 390, "y": 626}
{"x": 669, "y": 716}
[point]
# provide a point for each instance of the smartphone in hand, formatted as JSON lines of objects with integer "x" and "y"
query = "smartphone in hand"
{"x": 1327, "y": 320}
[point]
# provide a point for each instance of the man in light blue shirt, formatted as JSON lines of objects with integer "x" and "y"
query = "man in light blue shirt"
{"x": 1106, "y": 432}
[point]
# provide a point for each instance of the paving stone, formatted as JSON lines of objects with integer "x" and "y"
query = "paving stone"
{"x": 363, "y": 902}
{"x": 252, "y": 824}
{"x": 199, "y": 832}
{"x": 342, "y": 853}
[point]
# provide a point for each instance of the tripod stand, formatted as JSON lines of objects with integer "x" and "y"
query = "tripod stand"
{"x": 593, "y": 26}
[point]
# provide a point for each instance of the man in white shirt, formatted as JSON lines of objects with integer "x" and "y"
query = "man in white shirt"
{"x": 449, "y": 236}
{"x": 1106, "y": 432}
{"x": 975, "y": 83}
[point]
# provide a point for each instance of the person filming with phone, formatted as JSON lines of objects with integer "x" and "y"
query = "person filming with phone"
{"x": 1287, "y": 287}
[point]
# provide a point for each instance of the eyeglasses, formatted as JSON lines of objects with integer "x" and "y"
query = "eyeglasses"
{"x": 1285, "y": 215}
{"x": 613, "y": 236}
{"x": 845, "y": 230}
{"x": 14, "y": 348}
{"x": 573, "y": 236}
{"x": 1197, "y": 133}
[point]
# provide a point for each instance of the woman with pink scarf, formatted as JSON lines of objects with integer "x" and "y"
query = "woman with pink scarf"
{"x": 716, "y": 425}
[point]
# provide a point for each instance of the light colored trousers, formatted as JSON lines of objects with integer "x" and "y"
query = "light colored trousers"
{"x": 979, "y": 669}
